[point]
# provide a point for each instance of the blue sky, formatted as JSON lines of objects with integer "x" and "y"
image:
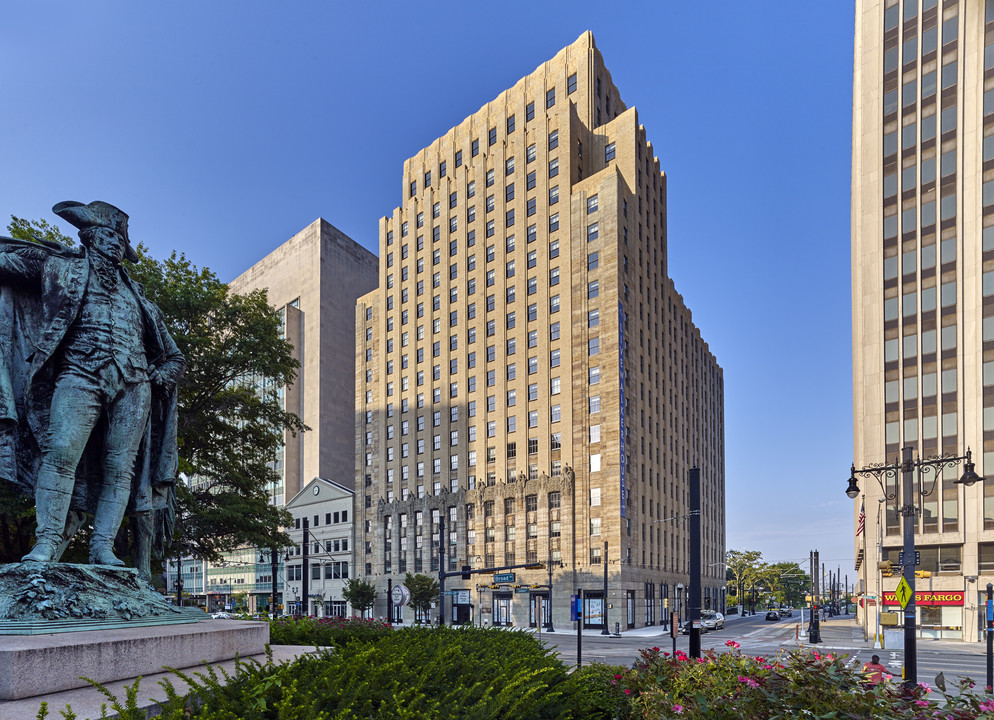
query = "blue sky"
{"x": 223, "y": 128}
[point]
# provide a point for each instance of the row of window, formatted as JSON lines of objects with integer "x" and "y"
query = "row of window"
{"x": 509, "y": 125}
{"x": 329, "y": 519}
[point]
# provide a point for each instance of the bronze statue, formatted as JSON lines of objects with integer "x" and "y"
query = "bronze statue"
{"x": 88, "y": 376}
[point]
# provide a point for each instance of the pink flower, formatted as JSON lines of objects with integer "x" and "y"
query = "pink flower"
{"x": 748, "y": 681}
{"x": 987, "y": 706}
{"x": 678, "y": 709}
{"x": 617, "y": 677}
{"x": 655, "y": 649}
{"x": 921, "y": 703}
{"x": 627, "y": 691}
{"x": 733, "y": 644}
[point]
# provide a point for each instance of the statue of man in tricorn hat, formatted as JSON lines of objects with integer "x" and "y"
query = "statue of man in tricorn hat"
{"x": 88, "y": 377}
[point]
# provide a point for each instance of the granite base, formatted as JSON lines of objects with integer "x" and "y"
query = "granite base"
{"x": 43, "y": 664}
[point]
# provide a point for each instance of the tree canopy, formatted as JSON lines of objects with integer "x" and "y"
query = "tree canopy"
{"x": 360, "y": 593}
{"x": 424, "y": 591}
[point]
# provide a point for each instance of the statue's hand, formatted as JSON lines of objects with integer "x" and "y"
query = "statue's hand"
{"x": 160, "y": 378}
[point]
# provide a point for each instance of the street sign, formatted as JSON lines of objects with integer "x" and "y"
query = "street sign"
{"x": 503, "y": 577}
{"x": 903, "y": 593}
{"x": 522, "y": 590}
{"x": 918, "y": 558}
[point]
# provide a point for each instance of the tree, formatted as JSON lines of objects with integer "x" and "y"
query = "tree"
{"x": 787, "y": 581}
{"x": 424, "y": 591}
{"x": 35, "y": 230}
{"x": 231, "y": 419}
{"x": 360, "y": 594}
{"x": 742, "y": 566}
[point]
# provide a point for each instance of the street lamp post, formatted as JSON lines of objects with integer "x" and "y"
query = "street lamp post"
{"x": 605, "y": 631}
{"x": 548, "y": 625}
{"x": 907, "y": 466}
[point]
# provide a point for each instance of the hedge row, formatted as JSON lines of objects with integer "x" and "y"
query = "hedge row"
{"x": 368, "y": 671}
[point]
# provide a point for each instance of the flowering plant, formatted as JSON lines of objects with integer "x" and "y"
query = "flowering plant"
{"x": 800, "y": 683}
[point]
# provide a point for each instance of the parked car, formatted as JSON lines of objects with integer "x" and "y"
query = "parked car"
{"x": 772, "y": 615}
{"x": 786, "y": 612}
{"x": 221, "y": 616}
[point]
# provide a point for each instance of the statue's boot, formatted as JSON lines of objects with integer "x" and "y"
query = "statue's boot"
{"x": 51, "y": 508}
{"x": 106, "y": 522}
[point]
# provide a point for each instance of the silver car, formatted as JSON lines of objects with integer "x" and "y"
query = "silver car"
{"x": 712, "y": 620}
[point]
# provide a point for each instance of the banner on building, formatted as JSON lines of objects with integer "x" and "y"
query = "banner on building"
{"x": 930, "y": 597}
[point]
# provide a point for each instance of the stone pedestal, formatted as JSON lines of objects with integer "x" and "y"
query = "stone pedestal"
{"x": 44, "y": 664}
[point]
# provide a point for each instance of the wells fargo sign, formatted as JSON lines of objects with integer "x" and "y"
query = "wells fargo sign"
{"x": 928, "y": 597}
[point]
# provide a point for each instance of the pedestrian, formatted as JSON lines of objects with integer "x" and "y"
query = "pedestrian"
{"x": 873, "y": 671}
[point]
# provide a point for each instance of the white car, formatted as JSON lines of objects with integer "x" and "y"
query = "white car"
{"x": 221, "y": 616}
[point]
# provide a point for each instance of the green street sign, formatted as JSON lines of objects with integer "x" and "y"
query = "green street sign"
{"x": 504, "y": 577}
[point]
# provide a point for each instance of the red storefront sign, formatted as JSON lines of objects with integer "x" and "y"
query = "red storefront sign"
{"x": 929, "y": 597}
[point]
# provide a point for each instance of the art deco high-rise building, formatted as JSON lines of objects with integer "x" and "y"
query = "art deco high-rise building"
{"x": 923, "y": 292}
{"x": 527, "y": 372}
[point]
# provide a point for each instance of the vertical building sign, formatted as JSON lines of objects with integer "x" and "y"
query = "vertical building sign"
{"x": 621, "y": 404}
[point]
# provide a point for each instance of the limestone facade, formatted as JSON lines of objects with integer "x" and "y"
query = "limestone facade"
{"x": 527, "y": 372}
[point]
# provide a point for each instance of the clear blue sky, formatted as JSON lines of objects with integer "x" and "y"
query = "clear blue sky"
{"x": 223, "y": 128}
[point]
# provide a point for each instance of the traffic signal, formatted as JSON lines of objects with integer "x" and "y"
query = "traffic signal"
{"x": 886, "y": 568}
{"x": 465, "y": 572}
{"x": 923, "y": 573}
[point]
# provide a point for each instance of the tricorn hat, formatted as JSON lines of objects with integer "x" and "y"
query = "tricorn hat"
{"x": 97, "y": 214}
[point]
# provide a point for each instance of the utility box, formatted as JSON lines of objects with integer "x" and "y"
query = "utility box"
{"x": 894, "y": 639}
{"x": 889, "y": 618}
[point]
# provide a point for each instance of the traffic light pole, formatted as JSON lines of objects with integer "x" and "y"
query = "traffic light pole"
{"x": 466, "y": 573}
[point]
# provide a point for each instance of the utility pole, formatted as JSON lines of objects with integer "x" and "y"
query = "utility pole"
{"x": 908, "y": 569}
{"x": 441, "y": 569}
{"x": 305, "y": 588}
{"x": 695, "y": 563}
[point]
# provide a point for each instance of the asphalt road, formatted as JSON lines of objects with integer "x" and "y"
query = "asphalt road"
{"x": 757, "y": 636}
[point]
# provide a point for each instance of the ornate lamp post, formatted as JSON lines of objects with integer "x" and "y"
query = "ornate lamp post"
{"x": 909, "y": 511}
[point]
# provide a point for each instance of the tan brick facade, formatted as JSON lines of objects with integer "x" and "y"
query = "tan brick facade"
{"x": 524, "y": 271}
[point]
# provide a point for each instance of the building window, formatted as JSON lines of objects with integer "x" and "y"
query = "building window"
{"x": 529, "y": 111}
{"x": 592, "y": 232}
{"x": 492, "y": 136}
{"x": 571, "y": 84}
{"x": 550, "y": 97}
{"x": 553, "y": 167}
{"x": 609, "y": 152}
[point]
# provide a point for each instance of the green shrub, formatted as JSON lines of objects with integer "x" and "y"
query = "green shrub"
{"x": 326, "y": 632}
{"x": 413, "y": 674}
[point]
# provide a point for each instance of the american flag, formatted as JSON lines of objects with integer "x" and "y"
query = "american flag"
{"x": 861, "y": 525}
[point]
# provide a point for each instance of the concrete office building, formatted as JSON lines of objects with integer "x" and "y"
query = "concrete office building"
{"x": 527, "y": 372}
{"x": 923, "y": 295}
{"x": 313, "y": 280}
